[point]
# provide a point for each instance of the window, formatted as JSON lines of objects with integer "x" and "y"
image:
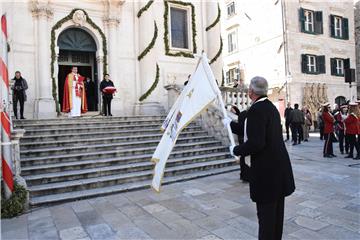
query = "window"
{"x": 339, "y": 27}
{"x": 312, "y": 64}
{"x": 179, "y": 28}
{"x": 311, "y": 21}
{"x": 231, "y": 9}
{"x": 232, "y": 41}
{"x": 337, "y": 66}
{"x": 232, "y": 75}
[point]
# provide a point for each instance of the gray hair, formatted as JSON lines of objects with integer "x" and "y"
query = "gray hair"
{"x": 259, "y": 85}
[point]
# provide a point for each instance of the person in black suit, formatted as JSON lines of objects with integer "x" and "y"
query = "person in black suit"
{"x": 271, "y": 176}
{"x": 90, "y": 94}
{"x": 238, "y": 129}
{"x": 107, "y": 97}
{"x": 287, "y": 115}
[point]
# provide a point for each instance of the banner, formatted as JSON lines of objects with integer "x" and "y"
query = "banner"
{"x": 198, "y": 94}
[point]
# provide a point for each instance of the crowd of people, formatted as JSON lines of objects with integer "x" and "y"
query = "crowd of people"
{"x": 340, "y": 124}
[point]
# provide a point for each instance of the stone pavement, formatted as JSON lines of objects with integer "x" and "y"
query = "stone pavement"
{"x": 325, "y": 205}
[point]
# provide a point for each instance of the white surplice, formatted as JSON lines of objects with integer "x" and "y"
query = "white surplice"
{"x": 76, "y": 101}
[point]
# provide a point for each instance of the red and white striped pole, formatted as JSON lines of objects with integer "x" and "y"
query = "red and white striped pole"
{"x": 6, "y": 161}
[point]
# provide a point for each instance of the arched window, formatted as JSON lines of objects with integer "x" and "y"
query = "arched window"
{"x": 340, "y": 100}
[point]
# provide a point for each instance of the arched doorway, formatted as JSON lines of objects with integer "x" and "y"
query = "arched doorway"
{"x": 78, "y": 48}
{"x": 340, "y": 100}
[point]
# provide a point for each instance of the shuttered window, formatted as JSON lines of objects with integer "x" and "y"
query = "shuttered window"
{"x": 339, "y": 27}
{"x": 312, "y": 64}
{"x": 311, "y": 21}
{"x": 337, "y": 66}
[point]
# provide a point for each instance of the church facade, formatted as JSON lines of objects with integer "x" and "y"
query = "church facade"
{"x": 145, "y": 46}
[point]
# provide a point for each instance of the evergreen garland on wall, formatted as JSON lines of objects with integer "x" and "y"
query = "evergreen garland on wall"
{"x": 53, "y": 54}
{"x": 166, "y": 27}
{"x": 218, "y": 53}
{"x": 153, "y": 86}
{"x": 145, "y": 8}
{"x": 151, "y": 45}
{"x": 216, "y": 20}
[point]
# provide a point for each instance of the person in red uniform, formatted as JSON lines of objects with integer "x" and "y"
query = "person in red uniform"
{"x": 328, "y": 131}
{"x": 340, "y": 126}
{"x": 351, "y": 126}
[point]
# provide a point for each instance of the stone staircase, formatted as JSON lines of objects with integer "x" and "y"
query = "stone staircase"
{"x": 70, "y": 159}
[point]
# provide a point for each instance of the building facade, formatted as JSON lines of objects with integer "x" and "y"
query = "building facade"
{"x": 143, "y": 45}
{"x": 301, "y": 47}
{"x": 357, "y": 43}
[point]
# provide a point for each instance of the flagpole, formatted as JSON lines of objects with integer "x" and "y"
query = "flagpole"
{"x": 232, "y": 141}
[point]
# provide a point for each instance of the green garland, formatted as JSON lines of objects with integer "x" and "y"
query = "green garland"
{"x": 153, "y": 86}
{"x": 218, "y": 53}
{"x": 53, "y": 54}
{"x": 143, "y": 9}
{"x": 166, "y": 33}
{"x": 151, "y": 45}
{"x": 216, "y": 20}
{"x": 13, "y": 206}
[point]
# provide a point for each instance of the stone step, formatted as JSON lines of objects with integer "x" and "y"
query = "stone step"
{"x": 181, "y": 149}
{"x": 103, "y": 140}
{"x": 88, "y": 193}
{"x": 86, "y": 129}
{"x": 105, "y": 181}
{"x": 79, "y": 165}
{"x": 29, "y": 122}
{"x": 109, "y": 146}
{"x": 97, "y": 134}
{"x": 119, "y": 169}
{"x": 105, "y": 122}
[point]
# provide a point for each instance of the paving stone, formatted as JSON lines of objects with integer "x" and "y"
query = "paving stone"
{"x": 117, "y": 220}
{"x": 192, "y": 214}
{"x": 132, "y": 232}
{"x": 310, "y": 223}
{"x": 308, "y": 212}
{"x": 133, "y": 211}
{"x": 210, "y": 223}
{"x": 334, "y": 232}
{"x": 186, "y": 229}
{"x": 306, "y": 234}
{"x": 155, "y": 229}
{"x": 90, "y": 218}
{"x": 232, "y": 233}
{"x": 247, "y": 211}
{"x": 20, "y": 234}
{"x": 311, "y": 204}
{"x": 154, "y": 208}
{"x": 353, "y": 208}
{"x": 82, "y": 206}
{"x": 244, "y": 224}
{"x": 101, "y": 232}
{"x": 46, "y": 222}
{"x": 43, "y": 233}
{"x": 73, "y": 233}
{"x": 64, "y": 217}
{"x": 211, "y": 237}
{"x": 339, "y": 221}
{"x": 194, "y": 192}
{"x": 39, "y": 213}
{"x": 17, "y": 225}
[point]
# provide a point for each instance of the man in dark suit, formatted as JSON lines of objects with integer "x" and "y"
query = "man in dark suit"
{"x": 271, "y": 176}
{"x": 287, "y": 115}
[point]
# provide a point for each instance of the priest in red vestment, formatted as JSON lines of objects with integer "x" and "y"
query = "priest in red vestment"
{"x": 74, "y": 99}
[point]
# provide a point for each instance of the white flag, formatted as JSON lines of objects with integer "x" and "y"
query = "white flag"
{"x": 198, "y": 94}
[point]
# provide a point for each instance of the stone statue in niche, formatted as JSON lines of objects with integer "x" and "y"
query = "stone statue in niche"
{"x": 79, "y": 18}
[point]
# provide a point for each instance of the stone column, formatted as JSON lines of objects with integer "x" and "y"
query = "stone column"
{"x": 213, "y": 39}
{"x": 112, "y": 25}
{"x": 151, "y": 104}
{"x": 44, "y": 103}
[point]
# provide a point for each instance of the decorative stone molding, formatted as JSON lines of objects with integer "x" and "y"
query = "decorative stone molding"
{"x": 79, "y": 18}
{"x": 310, "y": 47}
{"x": 112, "y": 12}
{"x": 41, "y": 9}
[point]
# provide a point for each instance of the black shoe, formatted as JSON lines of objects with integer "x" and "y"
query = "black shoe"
{"x": 306, "y": 140}
{"x": 22, "y": 118}
{"x": 349, "y": 156}
{"x": 327, "y": 156}
{"x": 333, "y": 155}
{"x": 342, "y": 152}
{"x": 294, "y": 144}
{"x": 110, "y": 115}
{"x": 357, "y": 157}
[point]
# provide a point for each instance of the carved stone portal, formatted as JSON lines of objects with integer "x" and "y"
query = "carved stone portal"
{"x": 79, "y": 18}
